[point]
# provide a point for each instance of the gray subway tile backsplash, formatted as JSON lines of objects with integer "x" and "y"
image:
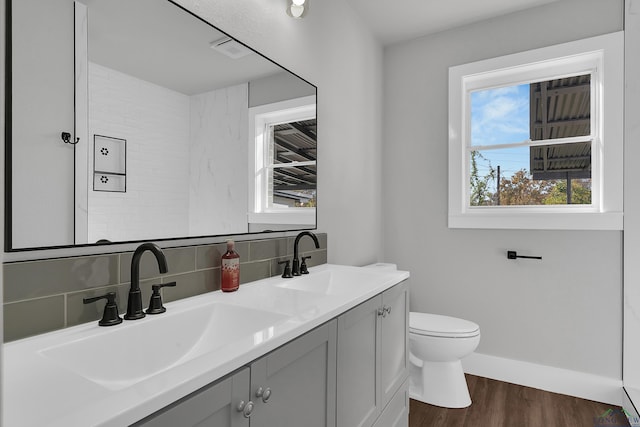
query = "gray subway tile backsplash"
{"x": 271, "y": 248}
{"x": 317, "y": 257}
{"x": 252, "y": 271}
{"x": 32, "y": 317}
{"x": 192, "y": 283}
{"x": 33, "y": 279}
{"x": 42, "y": 296}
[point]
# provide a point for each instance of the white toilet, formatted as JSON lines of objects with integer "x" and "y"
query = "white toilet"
{"x": 437, "y": 343}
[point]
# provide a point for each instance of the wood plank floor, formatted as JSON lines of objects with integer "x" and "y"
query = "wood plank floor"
{"x": 500, "y": 404}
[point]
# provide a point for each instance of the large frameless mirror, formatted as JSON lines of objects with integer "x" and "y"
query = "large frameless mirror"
{"x": 136, "y": 120}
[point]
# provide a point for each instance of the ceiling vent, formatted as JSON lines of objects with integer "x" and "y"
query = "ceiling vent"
{"x": 230, "y": 48}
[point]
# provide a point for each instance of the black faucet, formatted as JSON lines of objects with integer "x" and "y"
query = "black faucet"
{"x": 134, "y": 305}
{"x": 295, "y": 270}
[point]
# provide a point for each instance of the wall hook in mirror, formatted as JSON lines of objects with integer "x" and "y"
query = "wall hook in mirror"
{"x": 514, "y": 255}
{"x": 66, "y": 138}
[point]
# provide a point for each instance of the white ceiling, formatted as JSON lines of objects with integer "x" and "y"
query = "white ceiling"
{"x": 171, "y": 49}
{"x": 399, "y": 20}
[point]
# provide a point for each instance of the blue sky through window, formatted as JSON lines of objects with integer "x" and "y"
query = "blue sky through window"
{"x": 501, "y": 116}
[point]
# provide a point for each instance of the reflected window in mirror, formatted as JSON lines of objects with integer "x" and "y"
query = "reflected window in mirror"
{"x": 283, "y": 151}
{"x": 535, "y": 138}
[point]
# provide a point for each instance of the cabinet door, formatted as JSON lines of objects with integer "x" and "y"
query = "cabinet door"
{"x": 394, "y": 340}
{"x": 396, "y": 413}
{"x": 359, "y": 391}
{"x": 215, "y": 405}
{"x": 298, "y": 382}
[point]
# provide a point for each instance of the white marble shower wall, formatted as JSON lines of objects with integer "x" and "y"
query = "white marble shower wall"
{"x": 173, "y": 174}
{"x": 218, "y": 183}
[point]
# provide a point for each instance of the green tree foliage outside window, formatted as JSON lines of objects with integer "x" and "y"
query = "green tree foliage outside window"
{"x": 480, "y": 193}
{"x": 521, "y": 189}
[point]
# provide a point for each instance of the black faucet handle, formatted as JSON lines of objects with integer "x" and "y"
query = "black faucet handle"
{"x": 303, "y": 266}
{"x": 286, "y": 274}
{"x": 110, "y": 315}
{"x": 155, "y": 303}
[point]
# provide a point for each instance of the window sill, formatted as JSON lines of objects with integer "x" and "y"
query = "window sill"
{"x": 538, "y": 220}
{"x": 295, "y": 217}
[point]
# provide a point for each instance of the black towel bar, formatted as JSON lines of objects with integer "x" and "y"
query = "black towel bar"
{"x": 514, "y": 255}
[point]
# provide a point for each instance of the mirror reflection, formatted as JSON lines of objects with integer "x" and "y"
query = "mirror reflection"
{"x": 181, "y": 131}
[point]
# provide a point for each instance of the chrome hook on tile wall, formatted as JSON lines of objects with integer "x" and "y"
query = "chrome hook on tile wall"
{"x": 66, "y": 138}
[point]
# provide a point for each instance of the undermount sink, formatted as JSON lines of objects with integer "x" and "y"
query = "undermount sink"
{"x": 336, "y": 281}
{"x": 120, "y": 356}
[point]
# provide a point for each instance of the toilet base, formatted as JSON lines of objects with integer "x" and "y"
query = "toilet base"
{"x": 439, "y": 383}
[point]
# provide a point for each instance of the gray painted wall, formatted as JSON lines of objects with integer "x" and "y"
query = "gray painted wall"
{"x": 49, "y": 96}
{"x": 631, "y": 349}
{"x": 277, "y": 87}
{"x": 563, "y": 311}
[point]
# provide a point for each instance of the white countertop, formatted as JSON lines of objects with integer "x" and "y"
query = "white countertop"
{"x": 40, "y": 391}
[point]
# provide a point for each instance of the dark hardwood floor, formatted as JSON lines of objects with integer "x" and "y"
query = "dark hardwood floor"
{"x": 500, "y": 404}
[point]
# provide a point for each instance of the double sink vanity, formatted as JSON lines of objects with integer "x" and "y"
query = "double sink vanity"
{"x": 324, "y": 349}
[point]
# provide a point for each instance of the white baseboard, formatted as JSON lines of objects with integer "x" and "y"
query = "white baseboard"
{"x": 556, "y": 380}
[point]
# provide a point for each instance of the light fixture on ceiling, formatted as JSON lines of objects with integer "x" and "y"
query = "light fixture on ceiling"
{"x": 297, "y": 8}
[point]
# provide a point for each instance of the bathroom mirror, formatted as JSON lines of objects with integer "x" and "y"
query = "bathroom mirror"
{"x": 135, "y": 120}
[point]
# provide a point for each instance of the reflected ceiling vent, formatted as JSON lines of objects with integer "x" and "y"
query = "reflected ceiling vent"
{"x": 230, "y": 48}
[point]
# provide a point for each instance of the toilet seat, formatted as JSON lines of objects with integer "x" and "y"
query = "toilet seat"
{"x": 435, "y": 325}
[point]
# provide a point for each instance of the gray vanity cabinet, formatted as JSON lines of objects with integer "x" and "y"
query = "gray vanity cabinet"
{"x": 372, "y": 357}
{"x": 294, "y": 386}
{"x": 350, "y": 372}
{"x": 396, "y": 413}
{"x": 215, "y": 405}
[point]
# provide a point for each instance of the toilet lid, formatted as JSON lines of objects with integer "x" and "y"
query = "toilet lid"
{"x": 441, "y": 326}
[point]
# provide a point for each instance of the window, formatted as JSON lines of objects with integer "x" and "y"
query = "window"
{"x": 283, "y": 154}
{"x": 531, "y": 143}
{"x": 536, "y": 138}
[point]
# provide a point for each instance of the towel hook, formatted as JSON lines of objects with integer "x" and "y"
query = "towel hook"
{"x": 66, "y": 138}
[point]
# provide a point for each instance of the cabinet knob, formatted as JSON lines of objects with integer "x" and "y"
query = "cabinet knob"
{"x": 245, "y": 408}
{"x": 265, "y": 394}
{"x": 384, "y": 310}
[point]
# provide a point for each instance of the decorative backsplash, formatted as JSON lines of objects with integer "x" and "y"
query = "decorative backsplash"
{"x": 43, "y": 296}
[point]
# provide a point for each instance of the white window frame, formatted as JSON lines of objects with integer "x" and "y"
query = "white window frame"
{"x": 601, "y": 56}
{"x": 260, "y": 118}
